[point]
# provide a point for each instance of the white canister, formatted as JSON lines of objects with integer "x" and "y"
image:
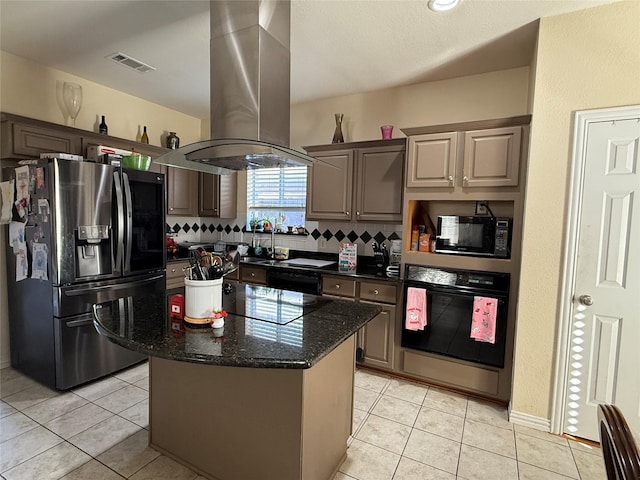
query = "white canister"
{"x": 202, "y": 297}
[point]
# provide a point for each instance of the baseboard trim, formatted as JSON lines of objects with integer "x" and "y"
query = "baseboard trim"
{"x": 530, "y": 421}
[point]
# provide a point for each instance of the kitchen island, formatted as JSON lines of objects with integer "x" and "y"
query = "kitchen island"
{"x": 268, "y": 396}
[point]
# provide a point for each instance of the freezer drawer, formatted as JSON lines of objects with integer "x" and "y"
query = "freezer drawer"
{"x": 83, "y": 355}
{"x": 72, "y": 300}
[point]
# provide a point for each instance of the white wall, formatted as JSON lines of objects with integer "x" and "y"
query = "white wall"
{"x": 32, "y": 90}
{"x": 587, "y": 59}
{"x": 476, "y": 97}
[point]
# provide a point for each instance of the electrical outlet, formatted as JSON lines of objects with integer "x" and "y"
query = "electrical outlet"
{"x": 322, "y": 242}
{"x": 481, "y": 207}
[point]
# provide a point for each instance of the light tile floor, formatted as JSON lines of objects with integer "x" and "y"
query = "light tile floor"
{"x": 401, "y": 431}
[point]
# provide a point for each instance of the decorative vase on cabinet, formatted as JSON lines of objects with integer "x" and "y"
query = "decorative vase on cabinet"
{"x": 337, "y": 134}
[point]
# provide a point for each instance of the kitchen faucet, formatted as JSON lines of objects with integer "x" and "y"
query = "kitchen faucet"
{"x": 273, "y": 245}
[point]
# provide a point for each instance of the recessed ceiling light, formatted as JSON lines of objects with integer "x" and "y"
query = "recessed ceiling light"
{"x": 442, "y": 5}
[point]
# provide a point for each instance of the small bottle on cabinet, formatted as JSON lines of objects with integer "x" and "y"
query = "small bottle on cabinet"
{"x": 415, "y": 235}
{"x": 173, "y": 141}
{"x": 102, "y": 128}
{"x": 144, "y": 138}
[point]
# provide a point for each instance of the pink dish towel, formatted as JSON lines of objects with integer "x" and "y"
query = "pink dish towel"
{"x": 416, "y": 314}
{"x": 483, "y": 320}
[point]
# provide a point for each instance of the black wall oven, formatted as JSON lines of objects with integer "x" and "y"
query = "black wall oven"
{"x": 452, "y": 297}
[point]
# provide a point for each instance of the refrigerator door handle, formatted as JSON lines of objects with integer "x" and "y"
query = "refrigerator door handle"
{"x": 79, "y": 323}
{"x": 129, "y": 218}
{"x": 120, "y": 214}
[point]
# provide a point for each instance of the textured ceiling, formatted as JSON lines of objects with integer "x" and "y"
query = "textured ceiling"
{"x": 338, "y": 47}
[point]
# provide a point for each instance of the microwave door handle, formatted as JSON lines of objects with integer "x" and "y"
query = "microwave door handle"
{"x": 119, "y": 239}
{"x": 129, "y": 220}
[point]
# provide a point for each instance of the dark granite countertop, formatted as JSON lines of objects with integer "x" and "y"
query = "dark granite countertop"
{"x": 265, "y": 328}
{"x": 366, "y": 269}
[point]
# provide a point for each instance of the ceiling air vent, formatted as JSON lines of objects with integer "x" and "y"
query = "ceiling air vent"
{"x": 130, "y": 62}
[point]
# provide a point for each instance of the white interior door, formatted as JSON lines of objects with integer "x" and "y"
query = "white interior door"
{"x": 603, "y": 358}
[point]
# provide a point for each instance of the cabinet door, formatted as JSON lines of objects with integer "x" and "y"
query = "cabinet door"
{"x": 330, "y": 186}
{"x": 432, "y": 160}
{"x": 182, "y": 192}
{"x": 377, "y": 338}
{"x": 157, "y": 168}
{"x": 208, "y": 204}
{"x": 217, "y": 195}
{"x": 379, "y": 179}
{"x": 492, "y": 157}
{"x": 228, "y": 196}
{"x": 32, "y": 141}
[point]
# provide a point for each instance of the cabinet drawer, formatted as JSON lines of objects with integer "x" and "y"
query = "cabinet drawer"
{"x": 235, "y": 275}
{"x": 378, "y": 292}
{"x": 175, "y": 274}
{"x": 342, "y": 287}
{"x": 255, "y": 275}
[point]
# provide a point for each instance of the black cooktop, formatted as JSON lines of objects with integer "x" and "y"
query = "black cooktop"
{"x": 268, "y": 304}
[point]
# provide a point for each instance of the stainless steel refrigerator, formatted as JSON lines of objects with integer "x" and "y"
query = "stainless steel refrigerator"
{"x": 104, "y": 231}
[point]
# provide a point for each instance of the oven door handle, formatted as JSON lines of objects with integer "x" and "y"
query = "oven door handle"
{"x": 500, "y": 296}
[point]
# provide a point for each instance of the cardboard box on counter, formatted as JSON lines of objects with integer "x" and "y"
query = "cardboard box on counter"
{"x": 94, "y": 152}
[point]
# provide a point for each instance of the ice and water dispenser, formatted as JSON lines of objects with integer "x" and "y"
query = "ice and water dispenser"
{"x": 93, "y": 250}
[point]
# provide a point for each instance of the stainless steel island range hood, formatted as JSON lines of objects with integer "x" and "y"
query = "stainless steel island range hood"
{"x": 250, "y": 65}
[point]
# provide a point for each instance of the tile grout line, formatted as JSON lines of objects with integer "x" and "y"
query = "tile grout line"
{"x": 464, "y": 422}
{"x": 66, "y": 441}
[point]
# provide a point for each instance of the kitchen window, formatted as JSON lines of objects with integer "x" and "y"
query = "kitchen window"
{"x": 276, "y": 195}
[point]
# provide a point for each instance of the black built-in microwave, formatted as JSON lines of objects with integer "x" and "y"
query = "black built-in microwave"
{"x": 481, "y": 236}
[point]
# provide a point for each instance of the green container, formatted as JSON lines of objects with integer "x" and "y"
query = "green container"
{"x": 137, "y": 161}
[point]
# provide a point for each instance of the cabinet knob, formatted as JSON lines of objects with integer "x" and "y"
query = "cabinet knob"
{"x": 170, "y": 208}
{"x": 347, "y": 213}
{"x": 450, "y": 179}
{"x": 357, "y": 213}
{"x": 173, "y": 270}
{"x": 337, "y": 286}
{"x": 465, "y": 180}
{"x": 253, "y": 274}
{"x": 376, "y": 292}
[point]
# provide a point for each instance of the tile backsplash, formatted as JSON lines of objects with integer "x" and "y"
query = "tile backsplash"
{"x": 322, "y": 236}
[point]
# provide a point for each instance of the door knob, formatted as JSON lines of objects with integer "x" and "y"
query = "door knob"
{"x": 585, "y": 300}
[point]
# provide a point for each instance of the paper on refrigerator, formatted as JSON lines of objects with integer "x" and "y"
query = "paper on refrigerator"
{"x": 39, "y": 262}
{"x": 6, "y": 201}
{"x": 19, "y": 245}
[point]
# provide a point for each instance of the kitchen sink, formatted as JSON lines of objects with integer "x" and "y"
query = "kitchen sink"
{"x": 270, "y": 262}
{"x": 258, "y": 261}
{"x": 296, "y": 262}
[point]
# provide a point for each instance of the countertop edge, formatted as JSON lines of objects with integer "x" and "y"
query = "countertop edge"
{"x": 243, "y": 362}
